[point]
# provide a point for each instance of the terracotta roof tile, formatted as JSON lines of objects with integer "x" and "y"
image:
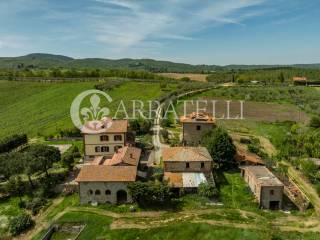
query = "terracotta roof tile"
{"x": 174, "y": 179}
{"x": 105, "y": 125}
{"x": 243, "y": 155}
{"x": 102, "y": 173}
{"x": 200, "y": 117}
{"x": 186, "y": 154}
{"x": 125, "y": 155}
{"x": 299, "y": 79}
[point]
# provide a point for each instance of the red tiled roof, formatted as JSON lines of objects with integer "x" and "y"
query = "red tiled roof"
{"x": 102, "y": 173}
{"x": 105, "y": 125}
{"x": 125, "y": 155}
{"x": 243, "y": 155}
{"x": 175, "y": 179}
{"x": 186, "y": 154}
{"x": 200, "y": 117}
{"x": 299, "y": 79}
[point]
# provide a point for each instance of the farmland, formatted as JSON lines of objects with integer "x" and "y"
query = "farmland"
{"x": 43, "y": 108}
{"x": 193, "y": 76}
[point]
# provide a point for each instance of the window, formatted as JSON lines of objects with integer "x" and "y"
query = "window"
{"x": 104, "y": 138}
{"x": 271, "y": 192}
{"x": 108, "y": 192}
{"x": 90, "y": 192}
{"x": 202, "y": 165}
{"x": 97, "y": 192}
{"x": 117, "y": 137}
{"x": 198, "y": 127}
{"x": 97, "y": 149}
{"x": 187, "y": 165}
{"x": 104, "y": 149}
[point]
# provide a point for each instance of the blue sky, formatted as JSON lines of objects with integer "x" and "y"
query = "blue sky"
{"x": 192, "y": 31}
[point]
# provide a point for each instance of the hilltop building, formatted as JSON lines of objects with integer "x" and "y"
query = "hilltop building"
{"x": 300, "y": 81}
{"x": 187, "y": 167}
{"x": 104, "y": 137}
{"x": 105, "y": 179}
{"x": 267, "y": 189}
{"x": 194, "y": 125}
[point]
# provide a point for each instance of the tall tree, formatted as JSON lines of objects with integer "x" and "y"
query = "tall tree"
{"x": 15, "y": 187}
{"x": 220, "y": 147}
{"x": 45, "y": 156}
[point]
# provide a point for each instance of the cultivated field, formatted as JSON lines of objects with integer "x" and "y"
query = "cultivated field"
{"x": 257, "y": 111}
{"x": 192, "y": 76}
{"x": 43, "y": 108}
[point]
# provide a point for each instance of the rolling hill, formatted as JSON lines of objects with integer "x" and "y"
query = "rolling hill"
{"x": 44, "y": 61}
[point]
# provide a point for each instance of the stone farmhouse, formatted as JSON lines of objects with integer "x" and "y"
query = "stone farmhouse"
{"x": 111, "y": 163}
{"x": 105, "y": 180}
{"x": 267, "y": 189}
{"x": 194, "y": 125}
{"x": 187, "y": 167}
{"x": 104, "y": 138}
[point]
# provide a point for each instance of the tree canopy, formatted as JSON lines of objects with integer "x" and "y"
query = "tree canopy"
{"x": 220, "y": 147}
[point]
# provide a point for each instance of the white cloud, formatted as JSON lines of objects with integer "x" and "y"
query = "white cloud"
{"x": 136, "y": 22}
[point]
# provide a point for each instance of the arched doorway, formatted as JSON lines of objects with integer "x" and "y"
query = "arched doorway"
{"x": 121, "y": 196}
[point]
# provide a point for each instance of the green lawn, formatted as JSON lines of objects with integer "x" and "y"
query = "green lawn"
{"x": 234, "y": 192}
{"x": 98, "y": 227}
{"x": 43, "y": 108}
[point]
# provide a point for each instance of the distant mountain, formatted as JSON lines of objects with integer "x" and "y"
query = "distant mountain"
{"x": 43, "y": 61}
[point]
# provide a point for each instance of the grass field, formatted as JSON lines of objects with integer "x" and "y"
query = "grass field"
{"x": 192, "y": 76}
{"x": 43, "y": 108}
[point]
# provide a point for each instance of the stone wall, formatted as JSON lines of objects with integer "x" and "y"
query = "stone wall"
{"x": 108, "y": 192}
{"x": 193, "y": 167}
{"x": 190, "y": 133}
{"x": 93, "y": 140}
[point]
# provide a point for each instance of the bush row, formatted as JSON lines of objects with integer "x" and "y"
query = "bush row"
{"x": 9, "y": 143}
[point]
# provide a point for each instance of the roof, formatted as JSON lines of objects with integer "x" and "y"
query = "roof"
{"x": 103, "y": 173}
{"x": 98, "y": 160}
{"x": 126, "y": 155}
{"x": 263, "y": 176}
{"x": 186, "y": 154}
{"x": 105, "y": 125}
{"x": 299, "y": 79}
{"x": 243, "y": 155}
{"x": 185, "y": 179}
{"x": 200, "y": 117}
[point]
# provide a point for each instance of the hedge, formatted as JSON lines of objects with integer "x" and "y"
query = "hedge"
{"x": 9, "y": 143}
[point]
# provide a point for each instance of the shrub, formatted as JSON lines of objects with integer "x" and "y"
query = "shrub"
{"x": 165, "y": 134}
{"x": 315, "y": 122}
{"x": 207, "y": 190}
{"x": 141, "y": 126}
{"x": 70, "y": 132}
{"x": 20, "y": 223}
{"x": 150, "y": 193}
{"x": 245, "y": 140}
{"x": 166, "y": 122}
{"x": 35, "y": 205}
{"x": 185, "y": 79}
{"x": 9, "y": 143}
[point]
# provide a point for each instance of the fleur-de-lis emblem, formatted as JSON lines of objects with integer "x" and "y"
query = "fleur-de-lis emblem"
{"x": 94, "y": 112}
